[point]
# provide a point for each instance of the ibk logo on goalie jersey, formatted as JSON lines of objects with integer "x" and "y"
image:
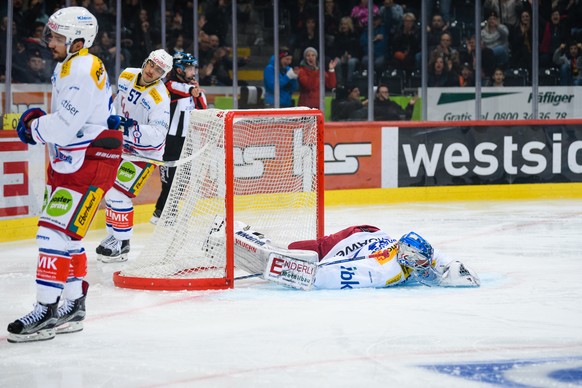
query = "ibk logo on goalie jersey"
{"x": 346, "y": 276}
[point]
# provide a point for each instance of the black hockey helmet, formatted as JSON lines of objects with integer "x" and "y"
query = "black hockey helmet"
{"x": 183, "y": 60}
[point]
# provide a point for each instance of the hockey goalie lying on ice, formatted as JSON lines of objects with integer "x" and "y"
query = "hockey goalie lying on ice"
{"x": 356, "y": 257}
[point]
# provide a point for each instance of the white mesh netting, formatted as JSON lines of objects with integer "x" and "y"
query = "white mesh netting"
{"x": 275, "y": 190}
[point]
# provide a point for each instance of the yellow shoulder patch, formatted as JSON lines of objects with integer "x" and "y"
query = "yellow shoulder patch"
{"x": 98, "y": 72}
{"x": 127, "y": 75}
{"x": 156, "y": 96}
{"x": 65, "y": 69}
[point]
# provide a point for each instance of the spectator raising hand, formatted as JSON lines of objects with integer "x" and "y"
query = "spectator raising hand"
{"x": 309, "y": 78}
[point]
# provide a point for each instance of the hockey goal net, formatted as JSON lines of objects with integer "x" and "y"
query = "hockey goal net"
{"x": 261, "y": 167}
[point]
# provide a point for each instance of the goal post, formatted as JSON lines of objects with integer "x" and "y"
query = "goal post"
{"x": 261, "y": 167}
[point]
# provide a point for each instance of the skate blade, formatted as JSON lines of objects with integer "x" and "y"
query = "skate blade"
{"x": 70, "y": 327}
{"x": 42, "y": 335}
{"x": 113, "y": 259}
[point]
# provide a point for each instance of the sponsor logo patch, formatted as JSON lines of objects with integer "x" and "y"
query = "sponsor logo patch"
{"x": 60, "y": 203}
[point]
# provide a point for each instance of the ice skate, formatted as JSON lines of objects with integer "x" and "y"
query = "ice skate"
{"x": 112, "y": 250}
{"x": 71, "y": 313}
{"x": 38, "y": 325}
{"x": 106, "y": 241}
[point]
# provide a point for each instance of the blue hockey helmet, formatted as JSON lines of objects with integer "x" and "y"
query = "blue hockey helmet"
{"x": 183, "y": 60}
{"x": 414, "y": 251}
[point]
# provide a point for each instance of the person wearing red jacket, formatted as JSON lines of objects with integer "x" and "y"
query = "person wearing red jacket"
{"x": 309, "y": 78}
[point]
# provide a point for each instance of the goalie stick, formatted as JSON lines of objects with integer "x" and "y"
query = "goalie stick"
{"x": 166, "y": 163}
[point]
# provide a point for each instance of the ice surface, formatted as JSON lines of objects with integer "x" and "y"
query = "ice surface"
{"x": 522, "y": 328}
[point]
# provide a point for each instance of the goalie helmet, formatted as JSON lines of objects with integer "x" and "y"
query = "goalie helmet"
{"x": 161, "y": 58}
{"x": 415, "y": 252}
{"x": 73, "y": 23}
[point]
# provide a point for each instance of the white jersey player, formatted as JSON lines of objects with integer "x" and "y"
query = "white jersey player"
{"x": 356, "y": 257}
{"x": 143, "y": 111}
{"x": 84, "y": 156}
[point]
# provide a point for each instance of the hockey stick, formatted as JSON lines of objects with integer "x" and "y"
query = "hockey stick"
{"x": 166, "y": 163}
{"x": 256, "y": 275}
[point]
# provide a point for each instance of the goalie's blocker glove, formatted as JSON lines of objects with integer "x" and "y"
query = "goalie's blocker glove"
{"x": 23, "y": 127}
{"x": 115, "y": 122}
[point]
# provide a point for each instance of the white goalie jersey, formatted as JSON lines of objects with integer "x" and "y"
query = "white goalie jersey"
{"x": 356, "y": 257}
{"x": 150, "y": 107}
{"x": 364, "y": 260}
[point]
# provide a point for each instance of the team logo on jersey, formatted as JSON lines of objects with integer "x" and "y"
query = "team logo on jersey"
{"x": 60, "y": 203}
{"x": 383, "y": 250}
{"x": 126, "y": 172}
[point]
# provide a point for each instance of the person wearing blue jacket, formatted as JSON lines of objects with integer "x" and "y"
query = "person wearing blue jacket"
{"x": 287, "y": 80}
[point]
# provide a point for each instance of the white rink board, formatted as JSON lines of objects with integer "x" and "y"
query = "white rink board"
{"x": 521, "y": 327}
{"x": 504, "y": 103}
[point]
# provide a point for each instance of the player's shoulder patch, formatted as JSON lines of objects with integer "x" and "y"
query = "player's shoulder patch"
{"x": 156, "y": 96}
{"x": 65, "y": 69}
{"x": 127, "y": 75}
{"x": 98, "y": 73}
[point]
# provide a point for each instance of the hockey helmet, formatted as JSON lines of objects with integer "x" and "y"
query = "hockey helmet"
{"x": 161, "y": 58}
{"x": 414, "y": 252}
{"x": 183, "y": 60}
{"x": 73, "y": 23}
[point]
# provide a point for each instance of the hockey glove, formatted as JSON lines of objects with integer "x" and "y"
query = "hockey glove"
{"x": 23, "y": 127}
{"x": 457, "y": 274}
{"x": 115, "y": 122}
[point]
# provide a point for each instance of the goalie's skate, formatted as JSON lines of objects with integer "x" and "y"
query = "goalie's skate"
{"x": 112, "y": 250}
{"x": 38, "y": 325}
{"x": 71, "y": 313}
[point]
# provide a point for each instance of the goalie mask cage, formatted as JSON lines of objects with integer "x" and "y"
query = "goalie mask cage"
{"x": 261, "y": 167}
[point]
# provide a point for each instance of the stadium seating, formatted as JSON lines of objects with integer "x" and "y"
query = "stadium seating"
{"x": 516, "y": 77}
{"x": 395, "y": 80}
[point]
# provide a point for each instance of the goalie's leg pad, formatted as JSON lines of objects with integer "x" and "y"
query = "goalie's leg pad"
{"x": 290, "y": 271}
{"x": 252, "y": 250}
